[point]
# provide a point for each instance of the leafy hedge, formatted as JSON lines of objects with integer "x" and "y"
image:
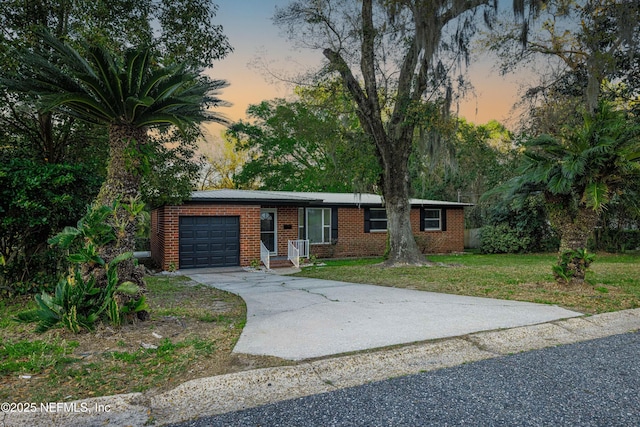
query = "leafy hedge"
{"x": 37, "y": 200}
{"x": 518, "y": 229}
{"x": 502, "y": 238}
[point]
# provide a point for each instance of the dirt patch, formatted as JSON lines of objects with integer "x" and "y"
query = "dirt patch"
{"x": 582, "y": 289}
{"x": 191, "y": 334}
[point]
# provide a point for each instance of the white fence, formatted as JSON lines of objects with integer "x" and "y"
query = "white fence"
{"x": 472, "y": 238}
{"x": 302, "y": 246}
{"x": 265, "y": 255}
{"x": 297, "y": 249}
{"x": 293, "y": 254}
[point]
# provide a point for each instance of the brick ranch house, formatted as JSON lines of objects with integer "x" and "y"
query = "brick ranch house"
{"x": 221, "y": 228}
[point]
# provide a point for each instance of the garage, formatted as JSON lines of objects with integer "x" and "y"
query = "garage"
{"x": 209, "y": 241}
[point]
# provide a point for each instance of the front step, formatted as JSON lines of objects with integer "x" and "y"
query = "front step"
{"x": 280, "y": 263}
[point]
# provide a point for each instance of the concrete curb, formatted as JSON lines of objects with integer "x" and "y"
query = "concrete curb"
{"x": 232, "y": 392}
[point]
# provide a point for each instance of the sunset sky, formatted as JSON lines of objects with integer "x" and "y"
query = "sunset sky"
{"x": 258, "y": 42}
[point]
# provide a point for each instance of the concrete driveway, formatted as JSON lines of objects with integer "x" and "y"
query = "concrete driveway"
{"x": 299, "y": 318}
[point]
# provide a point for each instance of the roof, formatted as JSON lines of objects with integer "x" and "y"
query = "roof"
{"x": 305, "y": 198}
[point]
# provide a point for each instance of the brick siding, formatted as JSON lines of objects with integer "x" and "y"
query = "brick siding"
{"x": 165, "y": 233}
{"x": 451, "y": 240}
{"x": 352, "y": 240}
{"x": 287, "y": 228}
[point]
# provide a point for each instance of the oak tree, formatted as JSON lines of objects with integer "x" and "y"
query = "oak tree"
{"x": 390, "y": 57}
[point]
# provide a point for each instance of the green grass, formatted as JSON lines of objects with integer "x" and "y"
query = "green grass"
{"x": 9, "y": 307}
{"x": 27, "y": 357}
{"x": 613, "y": 281}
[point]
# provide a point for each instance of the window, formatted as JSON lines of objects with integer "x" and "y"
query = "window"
{"x": 432, "y": 219}
{"x": 377, "y": 219}
{"x": 319, "y": 225}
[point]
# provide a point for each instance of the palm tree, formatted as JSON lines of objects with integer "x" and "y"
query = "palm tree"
{"x": 579, "y": 173}
{"x": 131, "y": 95}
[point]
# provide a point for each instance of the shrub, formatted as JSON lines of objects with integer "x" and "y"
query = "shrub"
{"x": 36, "y": 200}
{"x": 92, "y": 290}
{"x": 502, "y": 238}
{"x": 615, "y": 240}
{"x": 572, "y": 266}
{"x": 517, "y": 228}
{"x": 78, "y": 303}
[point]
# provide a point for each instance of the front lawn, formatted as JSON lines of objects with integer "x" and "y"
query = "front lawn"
{"x": 612, "y": 284}
{"x": 191, "y": 333}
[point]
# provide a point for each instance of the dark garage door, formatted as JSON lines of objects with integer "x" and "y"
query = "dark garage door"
{"x": 209, "y": 241}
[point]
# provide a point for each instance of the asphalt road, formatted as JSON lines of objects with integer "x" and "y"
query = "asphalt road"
{"x": 593, "y": 383}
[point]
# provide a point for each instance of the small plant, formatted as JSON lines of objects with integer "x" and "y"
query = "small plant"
{"x": 255, "y": 264}
{"x": 172, "y": 267}
{"x": 572, "y": 266}
{"x": 78, "y": 303}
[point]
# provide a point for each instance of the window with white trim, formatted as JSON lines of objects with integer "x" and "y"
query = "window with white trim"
{"x": 432, "y": 219}
{"x": 377, "y": 219}
{"x": 319, "y": 225}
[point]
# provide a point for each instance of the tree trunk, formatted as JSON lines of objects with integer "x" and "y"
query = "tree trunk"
{"x": 402, "y": 243}
{"x": 574, "y": 230}
{"x": 123, "y": 185}
{"x": 123, "y": 176}
{"x": 394, "y": 156}
{"x": 394, "y": 141}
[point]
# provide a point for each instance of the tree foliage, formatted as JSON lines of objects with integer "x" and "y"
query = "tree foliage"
{"x": 117, "y": 25}
{"x": 129, "y": 94}
{"x": 479, "y": 158}
{"x": 173, "y": 166}
{"x": 184, "y": 31}
{"x": 36, "y": 200}
{"x": 222, "y": 168}
{"x": 586, "y": 44}
{"x": 314, "y": 143}
{"x": 95, "y": 86}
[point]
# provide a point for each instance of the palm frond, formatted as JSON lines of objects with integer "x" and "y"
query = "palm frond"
{"x": 596, "y": 195}
{"x": 558, "y": 184}
{"x": 103, "y": 87}
{"x": 573, "y": 167}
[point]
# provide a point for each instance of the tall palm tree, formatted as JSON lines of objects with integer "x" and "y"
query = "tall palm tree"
{"x": 581, "y": 172}
{"x": 131, "y": 94}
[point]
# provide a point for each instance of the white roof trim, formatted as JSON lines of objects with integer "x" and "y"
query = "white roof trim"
{"x": 354, "y": 199}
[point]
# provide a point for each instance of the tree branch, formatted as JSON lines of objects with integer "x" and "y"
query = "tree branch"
{"x": 340, "y": 65}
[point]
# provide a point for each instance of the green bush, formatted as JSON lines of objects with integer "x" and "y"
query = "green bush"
{"x": 92, "y": 291}
{"x": 615, "y": 240}
{"x": 79, "y": 303}
{"x": 518, "y": 228}
{"x": 502, "y": 238}
{"x": 37, "y": 200}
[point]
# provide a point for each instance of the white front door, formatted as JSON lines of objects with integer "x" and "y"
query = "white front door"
{"x": 269, "y": 229}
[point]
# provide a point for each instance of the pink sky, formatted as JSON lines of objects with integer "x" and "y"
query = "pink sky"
{"x": 254, "y": 38}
